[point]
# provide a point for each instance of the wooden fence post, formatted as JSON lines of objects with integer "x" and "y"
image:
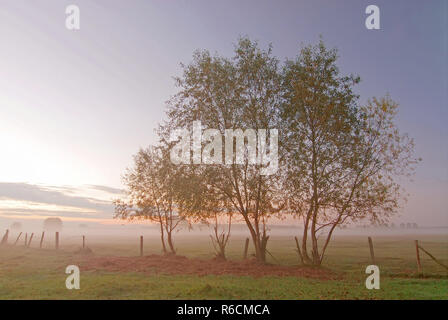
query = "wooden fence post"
{"x": 5, "y": 237}
{"x": 419, "y": 265}
{"x": 29, "y": 242}
{"x": 57, "y": 240}
{"x": 246, "y": 247}
{"x": 433, "y": 258}
{"x": 26, "y": 239}
{"x": 18, "y": 237}
{"x": 42, "y": 239}
{"x": 141, "y": 246}
{"x": 83, "y": 242}
{"x": 372, "y": 254}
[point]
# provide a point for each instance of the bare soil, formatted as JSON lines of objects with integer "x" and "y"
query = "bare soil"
{"x": 180, "y": 265}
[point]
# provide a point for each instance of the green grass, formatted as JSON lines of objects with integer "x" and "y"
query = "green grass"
{"x": 40, "y": 274}
{"x": 100, "y": 285}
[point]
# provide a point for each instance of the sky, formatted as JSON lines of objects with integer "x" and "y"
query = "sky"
{"x": 76, "y": 105}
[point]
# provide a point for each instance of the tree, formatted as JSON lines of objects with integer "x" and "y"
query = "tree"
{"x": 342, "y": 158}
{"x": 53, "y": 224}
{"x": 220, "y": 237}
{"x": 151, "y": 194}
{"x": 238, "y": 93}
{"x": 16, "y": 226}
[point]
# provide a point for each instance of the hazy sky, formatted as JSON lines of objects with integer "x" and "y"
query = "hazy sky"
{"x": 76, "y": 105}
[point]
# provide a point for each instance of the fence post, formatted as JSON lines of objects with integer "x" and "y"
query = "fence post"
{"x": 246, "y": 246}
{"x": 18, "y": 237}
{"x": 298, "y": 250}
{"x": 432, "y": 257}
{"x": 83, "y": 242}
{"x": 57, "y": 240}
{"x": 372, "y": 254}
{"x": 5, "y": 237}
{"x": 42, "y": 239}
{"x": 419, "y": 265}
{"x": 31, "y": 238}
{"x": 141, "y": 246}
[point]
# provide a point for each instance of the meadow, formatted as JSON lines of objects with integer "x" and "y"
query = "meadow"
{"x": 33, "y": 273}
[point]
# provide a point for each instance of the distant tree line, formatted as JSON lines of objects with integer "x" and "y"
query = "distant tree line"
{"x": 402, "y": 225}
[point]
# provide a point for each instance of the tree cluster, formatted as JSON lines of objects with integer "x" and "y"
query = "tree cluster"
{"x": 339, "y": 161}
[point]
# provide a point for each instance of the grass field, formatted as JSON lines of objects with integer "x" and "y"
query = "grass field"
{"x": 32, "y": 273}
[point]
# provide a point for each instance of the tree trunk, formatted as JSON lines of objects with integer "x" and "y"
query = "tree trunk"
{"x": 255, "y": 239}
{"x": 299, "y": 252}
{"x": 264, "y": 243}
{"x": 162, "y": 237}
{"x": 257, "y": 246}
{"x": 222, "y": 247}
{"x": 260, "y": 243}
{"x": 305, "y": 256}
{"x": 170, "y": 242}
{"x": 315, "y": 250}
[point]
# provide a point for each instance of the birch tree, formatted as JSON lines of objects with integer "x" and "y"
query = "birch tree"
{"x": 344, "y": 159}
{"x": 150, "y": 187}
{"x": 233, "y": 93}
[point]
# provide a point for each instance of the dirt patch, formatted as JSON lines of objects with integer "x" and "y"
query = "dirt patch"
{"x": 177, "y": 265}
{"x": 85, "y": 250}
